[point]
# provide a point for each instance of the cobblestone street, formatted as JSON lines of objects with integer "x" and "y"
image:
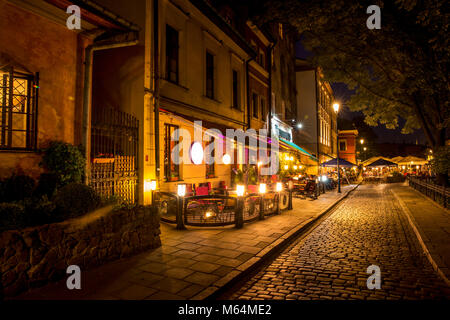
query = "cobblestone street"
{"x": 368, "y": 228}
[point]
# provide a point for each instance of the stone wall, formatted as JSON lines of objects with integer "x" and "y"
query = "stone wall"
{"x": 34, "y": 256}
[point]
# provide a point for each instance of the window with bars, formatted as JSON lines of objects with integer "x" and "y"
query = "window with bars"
{"x": 171, "y": 169}
{"x": 172, "y": 48}
{"x": 18, "y": 118}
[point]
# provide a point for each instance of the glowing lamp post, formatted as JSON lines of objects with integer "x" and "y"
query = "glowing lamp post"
{"x": 290, "y": 187}
{"x": 278, "y": 189}
{"x": 336, "y": 109}
{"x": 153, "y": 189}
{"x": 181, "y": 191}
{"x": 239, "y": 220}
{"x": 262, "y": 191}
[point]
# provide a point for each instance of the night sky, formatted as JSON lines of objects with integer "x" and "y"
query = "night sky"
{"x": 342, "y": 93}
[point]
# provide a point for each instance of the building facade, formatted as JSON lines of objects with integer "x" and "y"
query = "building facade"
{"x": 46, "y": 77}
{"x": 315, "y": 112}
{"x": 347, "y": 145}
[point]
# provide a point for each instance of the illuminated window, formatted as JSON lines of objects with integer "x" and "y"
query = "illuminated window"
{"x": 171, "y": 169}
{"x": 210, "y": 168}
{"x": 18, "y": 92}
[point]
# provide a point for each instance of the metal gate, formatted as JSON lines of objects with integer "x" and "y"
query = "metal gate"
{"x": 114, "y": 154}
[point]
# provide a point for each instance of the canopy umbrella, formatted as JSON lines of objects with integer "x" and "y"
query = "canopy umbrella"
{"x": 382, "y": 163}
{"x": 411, "y": 160}
{"x": 342, "y": 163}
{"x": 397, "y": 159}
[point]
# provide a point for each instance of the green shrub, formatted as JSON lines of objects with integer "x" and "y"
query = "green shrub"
{"x": 48, "y": 182}
{"x": 38, "y": 211}
{"x": 65, "y": 161}
{"x": 17, "y": 187}
{"x": 12, "y": 216}
{"x": 74, "y": 200}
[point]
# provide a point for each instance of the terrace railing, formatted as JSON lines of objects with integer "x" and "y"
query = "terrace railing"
{"x": 439, "y": 194}
{"x": 215, "y": 210}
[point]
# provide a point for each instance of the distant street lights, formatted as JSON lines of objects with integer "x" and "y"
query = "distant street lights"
{"x": 336, "y": 109}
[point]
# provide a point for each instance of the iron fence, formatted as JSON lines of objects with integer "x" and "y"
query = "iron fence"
{"x": 440, "y": 194}
{"x": 215, "y": 210}
{"x": 114, "y": 154}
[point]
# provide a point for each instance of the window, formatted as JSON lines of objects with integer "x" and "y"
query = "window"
{"x": 255, "y": 105}
{"x": 18, "y": 110}
{"x": 172, "y": 54}
{"x": 235, "y": 93}
{"x": 209, "y": 75}
{"x": 171, "y": 169}
{"x": 262, "y": 59}
{"x": 343, "y": 145}
{"x": 210, "y": 169}
{"x": 263, "y": 108}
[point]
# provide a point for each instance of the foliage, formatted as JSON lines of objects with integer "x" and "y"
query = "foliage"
{"x": 400, "y": 70}
{"x": 74, "y": 200}
{"x": 238, "y": 177}
{"x": 12, "y": 216}
{"x": 17, "y": 187}
{"x": 47, "y": 185}
{"x": 441, "y": 160}
{"x": 37, "y": 211}
{"x": 252, "y": 176}
{"x": 65, "y": 161}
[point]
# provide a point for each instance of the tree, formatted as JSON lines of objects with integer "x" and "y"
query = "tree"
{"x": 400, "y": 70}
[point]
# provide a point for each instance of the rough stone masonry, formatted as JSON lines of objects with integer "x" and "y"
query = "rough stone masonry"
{"x": 34, "y": 256}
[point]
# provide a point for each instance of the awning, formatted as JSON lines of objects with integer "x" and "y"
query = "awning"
{"x": 382, "y": 163}
{"x": 342, "y": 163}
{"x": 290, "y": 145}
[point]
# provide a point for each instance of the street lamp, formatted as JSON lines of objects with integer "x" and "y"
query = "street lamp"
{"x": 290, "y": 187}
{"x": 278, "y": 188}
{"x": 362, "y": 141}
{"x": 239, "y": 220}
{"x": 262, "y": 191}
{"x": 336, "y": 109}
{"x": 181, "y": 191}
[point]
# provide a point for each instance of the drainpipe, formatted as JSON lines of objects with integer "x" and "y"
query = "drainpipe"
{"x": 156, "y": 87}
{"x": 248, "y": 91}
{"x": 87, "y": 94}
{"x": 270, "y": 89}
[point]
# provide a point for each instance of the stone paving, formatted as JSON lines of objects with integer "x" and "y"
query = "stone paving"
{"x": 330, "y": 263}
{"x": 193, "y": 263}
{"x": 432, "y": 222}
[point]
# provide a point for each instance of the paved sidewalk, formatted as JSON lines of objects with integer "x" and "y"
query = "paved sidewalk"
{"x": 193, "y": 263}
{"x": 432, "y": 223}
